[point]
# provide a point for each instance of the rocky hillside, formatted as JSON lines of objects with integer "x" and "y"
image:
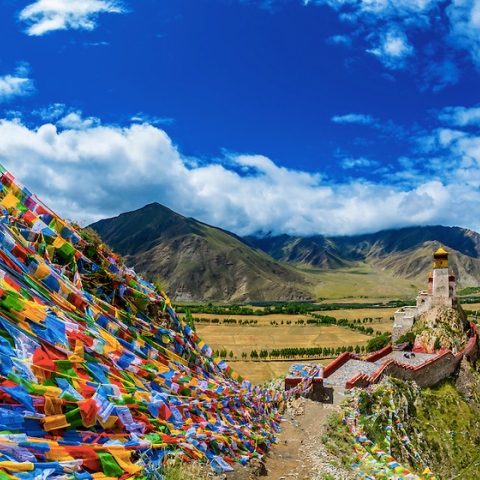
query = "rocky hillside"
{"x": 315, "y": 251}
{"x": 205, "y": 263}
{"x": 441, "y": 328}
{"x": 405, "y": 252}
{"x": 199, "y": 262}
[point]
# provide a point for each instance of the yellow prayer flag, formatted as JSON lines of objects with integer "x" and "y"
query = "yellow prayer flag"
{"x": 55, "y": 422}
{"x": 109, "y": 423}
{"x": 122, "y": 457}
{"x": 42, "y": 271}
{"x": 17, "y": 467}
{"x": 58, "y": 242}
{"x": 9, "y": 201}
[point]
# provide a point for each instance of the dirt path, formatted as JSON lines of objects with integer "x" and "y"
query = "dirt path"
{"x": 300, "y": 453}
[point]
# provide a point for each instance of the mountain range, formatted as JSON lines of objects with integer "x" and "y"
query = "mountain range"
{"x": 199, "y": 262}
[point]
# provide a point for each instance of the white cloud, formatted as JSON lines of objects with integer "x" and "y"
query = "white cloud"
{"x": 97, "y": 171}
{"x": 340, "y": 40}
{"x": 361, "y": 162}
{"x": 460, "y": 116}
{"x": 52, "y": 112}
{"x": 75, "y": 121}
{"x": 393, "y": 48}
{"x": 95, "y": 44}
{"x": 354, "y": 118}
{"x": 384, "y": 9}
{"x": 17, "y": 84}
{"x": 457, "y": 25}
{"x": 44, "y": 16}
{"x": 464, "y": 18}
{"x": 151, "y": 119}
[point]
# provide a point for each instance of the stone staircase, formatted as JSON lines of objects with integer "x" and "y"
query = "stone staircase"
{"x": 353, "y": 367}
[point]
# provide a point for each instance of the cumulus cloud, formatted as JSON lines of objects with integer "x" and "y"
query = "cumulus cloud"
{"x": 75, "y": 121}
{"x": 393, "y": 48}
{"x": 17, "y": 84}
{"x": 87, "y": 171}
{"x": 460, "y": 116}
{"x": 44, "y": 16}
{"x": 354, "y": 118}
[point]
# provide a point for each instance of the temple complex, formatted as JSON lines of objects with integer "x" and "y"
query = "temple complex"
{"x": 441, "y": 293}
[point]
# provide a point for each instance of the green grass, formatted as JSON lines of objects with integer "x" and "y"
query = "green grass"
{"x": 361, "y": 280}
{"x": 339, "y": 440}
{"x": 468, "y": 291}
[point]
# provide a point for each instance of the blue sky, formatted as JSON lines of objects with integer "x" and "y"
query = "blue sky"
{"x": 304, "y": 117}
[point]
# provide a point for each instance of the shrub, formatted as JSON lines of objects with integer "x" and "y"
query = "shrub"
{"x": 407, "y": 337}
{"x": 378, "y": 343}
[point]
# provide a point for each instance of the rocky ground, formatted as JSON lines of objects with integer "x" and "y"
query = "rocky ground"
{"x": 300, "y": 453}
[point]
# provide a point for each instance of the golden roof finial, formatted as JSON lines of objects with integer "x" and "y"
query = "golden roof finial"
{"x": 441, "y": 251}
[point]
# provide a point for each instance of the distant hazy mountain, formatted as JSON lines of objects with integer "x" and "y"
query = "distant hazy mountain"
{"x": 314, "y": 251}
{"x": 405, "y": 252}
{"x": 201, "y": 262}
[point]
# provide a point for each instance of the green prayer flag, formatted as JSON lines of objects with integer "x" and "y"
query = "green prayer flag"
{"x": 109, "y": 465}
{"x": 66, "y": 368}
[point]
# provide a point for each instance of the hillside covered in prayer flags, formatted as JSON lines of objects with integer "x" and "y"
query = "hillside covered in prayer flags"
{"x": 92, "y": 387}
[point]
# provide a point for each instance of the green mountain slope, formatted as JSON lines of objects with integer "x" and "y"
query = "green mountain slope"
{"x": 199, "y": 262}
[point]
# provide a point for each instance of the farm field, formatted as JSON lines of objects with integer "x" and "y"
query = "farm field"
{"x": 239, "y": 338}
{"x": 261, "y": 372}
{"x": 471, "y": 306}
{"x": 381, "y": 316}
{"x": 263, "y": 336}
{"x": 368, "y": 300}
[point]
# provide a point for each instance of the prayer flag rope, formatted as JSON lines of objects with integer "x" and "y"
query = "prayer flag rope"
{"x": 90, "y": 387}
{"x": 368, "y": 452}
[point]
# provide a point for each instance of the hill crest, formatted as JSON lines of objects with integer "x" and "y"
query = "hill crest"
{"x": 207, "y": 263}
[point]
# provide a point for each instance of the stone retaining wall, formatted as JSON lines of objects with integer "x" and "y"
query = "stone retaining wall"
{"x": 426, "y": 374}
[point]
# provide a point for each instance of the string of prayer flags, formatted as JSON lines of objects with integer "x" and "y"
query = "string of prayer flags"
{"x": 90, "y": 385}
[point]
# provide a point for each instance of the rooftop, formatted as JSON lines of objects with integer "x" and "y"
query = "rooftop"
{"x": 441, "y": 252}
